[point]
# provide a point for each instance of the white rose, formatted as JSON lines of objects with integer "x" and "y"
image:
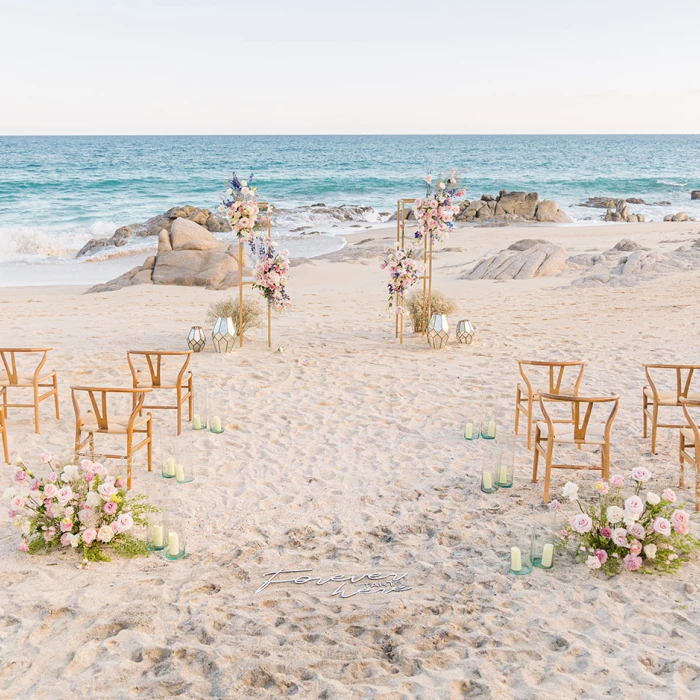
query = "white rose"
{"x": 105, "y": 534}
{"x": 653, "y": 498}
{"x": 650, "y": 551}
{"x": 570, "y": 491}
{"x": 74, "y": 540}
{"x": 70, "y": 472}
{"x": 615, "y": 514}
{"x": 9, "y": 494}
{"x": 93, "y": 499}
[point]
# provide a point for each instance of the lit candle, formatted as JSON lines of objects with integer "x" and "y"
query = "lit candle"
{"x": 173, "y": 544}
{"x": 180, "y": 472}
{"x": 503, "y": 474}
{"x": 491, "y": 432}
{"x": 547, "y": 555}
{"x": 170, "y": 466}
{"x": 216, "y": 424}
{"x": 158, "y": 536}
{"x": 197, "y": 422}
{"x": 486, "y": 480}
{"x": 515, "y": 562}
{"x": 469, "y": 431}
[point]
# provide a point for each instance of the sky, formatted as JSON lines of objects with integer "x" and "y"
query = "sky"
{"x": 340, "y": 67}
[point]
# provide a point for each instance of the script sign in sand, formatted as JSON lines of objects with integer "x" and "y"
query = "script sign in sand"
{"x": 349, "y": 584}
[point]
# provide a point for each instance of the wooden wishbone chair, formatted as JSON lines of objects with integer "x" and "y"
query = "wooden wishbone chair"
{"x": 527, "y": 394}
{"x": 653, "y": 399}
{"x": 3, "y": 430}
{"x": 578, "y": 431}
{"x": 690, "y": 440}
{"x": 98, "y": 420}
{"x": 181, "y": 383}
{"x": 36, "y": 378}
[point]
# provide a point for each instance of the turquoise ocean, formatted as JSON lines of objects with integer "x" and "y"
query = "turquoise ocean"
{"x": 58, "y": 192}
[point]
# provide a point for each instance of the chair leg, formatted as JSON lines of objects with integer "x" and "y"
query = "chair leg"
{"x": 149, "y": 433}
{"x": 536, "y": 457}
{"x": 191, "y": 400}
{"x": 55, "y": 396}
{"x": 92, "y": 446}
{"x": 5, "y": 448}
{"x": 36, "y": 410}
{"x": 517, "y": 410}
{"x": 697, "y": 481}
{"x": 178, "y": 409}
{"x": 548, "y": 470}
{"x": 644, "y": 414}
{"x": 654, "y": 421}
{"x": 129, "y": 458}
{"x": 681, "y": 481}
{"x": 529, "y": 423}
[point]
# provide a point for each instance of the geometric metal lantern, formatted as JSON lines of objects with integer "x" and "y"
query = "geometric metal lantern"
{"x": 196, "y": 339}
{"x": 438, "y": 331}
{"x": 223, "y": 336}
{"x": 465, "y": 332}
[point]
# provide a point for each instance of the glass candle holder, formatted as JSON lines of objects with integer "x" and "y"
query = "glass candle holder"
{"x": 520, "y": 562}
{"x": 472, "y": 424}
{"x": 169, "y": 459}
{"x": 183, "y": 471}
{"x": 157, "y": 531}
{"x": 200, "y": 419}
{"x": 216, "y": 419}
{"x": 174, "y": 540}
{"x": 504, "y": 475}
{"x": 489, "y": 423}
{"x": 542, "y": 544}
{"x": 489, "y": 472}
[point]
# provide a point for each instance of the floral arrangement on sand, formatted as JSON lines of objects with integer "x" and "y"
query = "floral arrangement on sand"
{"x": 241, "y": 207}
{"x": 404, "y": 270}
{"x": 76, "y": 506}
{"x": 641, "y": 532}
{"x": 436, "y": 210}
{"x": 271, "y": 274}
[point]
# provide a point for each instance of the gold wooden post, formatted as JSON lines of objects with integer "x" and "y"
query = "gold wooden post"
{"x": 425, "y": 282}
{"x": 269, "y": 324}
{"x": 430, "y": 283}
{"x": 241, "y": 263}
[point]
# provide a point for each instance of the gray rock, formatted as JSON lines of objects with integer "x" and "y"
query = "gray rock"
{"x": 522, "y": 204}
{"x": 188, "y": 235}
{"x": 682, "y": 216}
{"x": 194, "y": 268}
{"x": 164, "y": 244}
{"x": 695, "y": 194}
{"x": 526, "y": 243}
{"x": 627, "y": 245}
{"x": 549, "y": 211}
{"x": 541, "y": 260}
{"x": 601, "y": 203}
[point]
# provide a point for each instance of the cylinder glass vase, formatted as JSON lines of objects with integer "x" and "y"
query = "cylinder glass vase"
{"x": 520, "y": 548}
{"x": 216, "y": 417}
{"x": 472, "y": 423}
{"x": 489, "y": 422}
{"x": 504, "y": 476}
{"x": 156, "y": 535}
{"x": 489, "y": 470}
{"x": 200, "y": 417}
{"x": 542, "y": 542}
{"x": 175, "y": 540}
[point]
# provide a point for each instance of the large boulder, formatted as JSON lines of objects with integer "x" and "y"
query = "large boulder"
{"x": 522, "y": 204}
{"x": 681, "y": 216}
{"x": 188, "y": 235}
{"x": 540, "y": 260}
{"x": 195, "y": 268}
{"x": 549, "y": 211}
{"x": 695, "y": 194}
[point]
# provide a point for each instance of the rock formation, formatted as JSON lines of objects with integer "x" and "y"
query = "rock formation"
{"x": 188, "y": 255}
{"x": 152, "y": 227}
{"x": 622, "y": 213}
{"x": 512, "y": 206}
{"x": 523, "y": 260}
{"x": 681, "y": 216}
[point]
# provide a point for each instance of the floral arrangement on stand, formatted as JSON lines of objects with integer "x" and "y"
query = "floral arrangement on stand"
{"x": 271, "y": 274}
{"x": 643, "y": 532}
{"x": 77, "y": 506}
{"x": 241, "y": 207}
{"x": 436, "y": 210}
{"x": 404, "y": 270}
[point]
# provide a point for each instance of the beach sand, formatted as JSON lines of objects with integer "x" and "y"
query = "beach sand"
{"x": 344, "y": 454}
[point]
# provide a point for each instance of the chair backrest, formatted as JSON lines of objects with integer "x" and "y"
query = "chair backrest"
{"x": 98, "y": 397}
{"x": 692, "y": 423}
{"x": 32, "y": 358}
{"x": 581, "y": 410}
{"x": 154, "y": 362}
{"x": 555, "y": 374}
{"x": 683, "y": 378}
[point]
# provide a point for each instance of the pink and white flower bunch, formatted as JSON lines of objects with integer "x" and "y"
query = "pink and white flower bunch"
{"x": 241, "y": 207}
{"x": 271, "y": 274}
{"x": 404, "y": 271}
{"x": 437, "y": 209}
{"x": 643, "y": 531}
{"x": 78, "y": 506}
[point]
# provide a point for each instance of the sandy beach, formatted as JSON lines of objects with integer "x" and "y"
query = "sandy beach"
{"x": 344, "y": 454}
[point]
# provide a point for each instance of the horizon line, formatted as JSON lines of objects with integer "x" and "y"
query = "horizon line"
{"x": 644, "y": 133}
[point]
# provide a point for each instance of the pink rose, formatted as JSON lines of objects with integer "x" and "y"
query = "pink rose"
{"x": 606, "y": 532}
{"x": 110, "y": 507}
{"x": 662, "y": 526}
{"x": 85, "y": 465}
{"x": 46, "y": 457}
{"x": 632, "y": 562}
{"x": 601, "y": 487}
{"x": 22, "y": 546}
{"x": 669, "y": 495}
{"x": 617, "y": 481}
{"x": 65, "y": 539}
{"x": 34, "y": 485}
{"x": 124, "y": 522}
{"x": 554, "y": 506}
{"x": 48, "y": 534}
{"x": 619, "y": 536}
{"x": 20, "y": 475}
{"x": 99, "y": 469}
{"x": 637, "y": 531}
{"x": 89, "y": 536}
{"x": 581, "y": 523}
{"x": 64, "y": 495}
{"x": 636, "y": 547}
{"x": 593, "y": 563}
{"x": 681, "y": 529}
{"x": 634, "y": 505}
{"x": 66, "y": 525}
{"x": 50, "y": 490}
{"x": 53, "y": 476}
{"x": 641, "y": 474}
{"x": 107, "y": 490}
{"x": 17, "y": 503}
{"x": 679, "y": 517}
{"x": 602, "y": 555}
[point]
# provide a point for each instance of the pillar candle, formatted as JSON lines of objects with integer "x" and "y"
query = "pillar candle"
{"x": 197, "y": 422}
{"x": 216, "y": 424}
{"x": 180, "y": 472}
{"x": 503, "y": 474}
{"x": 547, "y": 554}
{"x": 515, "y": 562}
{"x": 173, "y": 544}
{"x": 157, "y": 535}
{"x": 469, "y": 431}
{"x": 486, "y": 480}
{"x": 492, "y": 429}
{"x": 170, "y": 466}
